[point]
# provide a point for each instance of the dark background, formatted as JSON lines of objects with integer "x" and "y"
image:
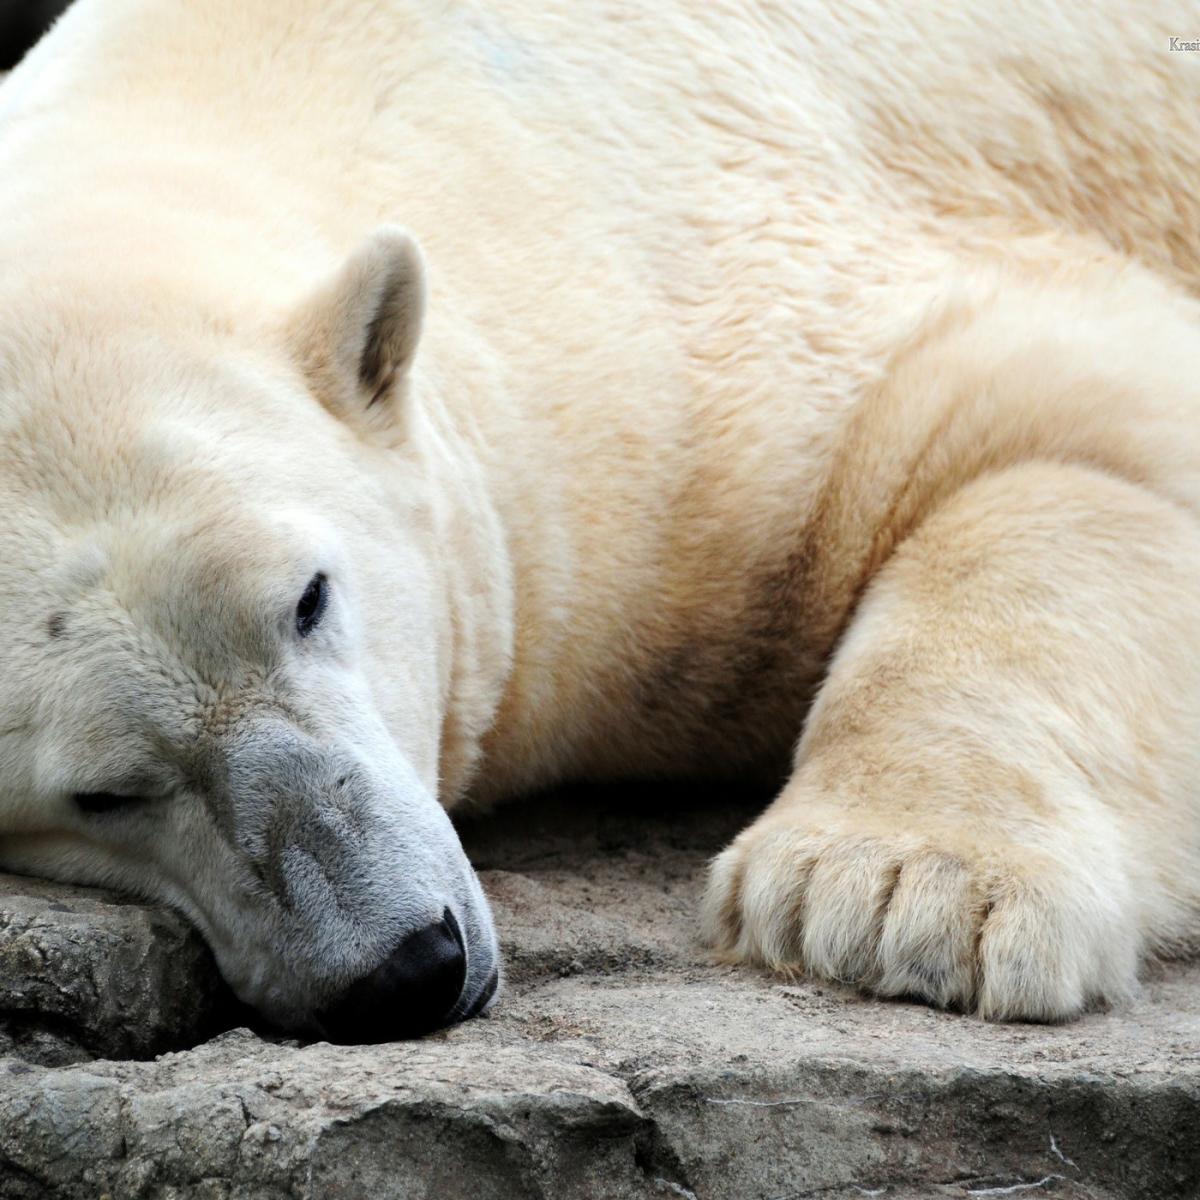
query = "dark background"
{"x": 22, "y": 22}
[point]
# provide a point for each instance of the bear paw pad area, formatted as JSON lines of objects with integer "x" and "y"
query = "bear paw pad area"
{"x": 618, "y": 1063}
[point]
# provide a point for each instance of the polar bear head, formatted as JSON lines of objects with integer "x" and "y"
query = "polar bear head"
{"x": 233, "y": 585}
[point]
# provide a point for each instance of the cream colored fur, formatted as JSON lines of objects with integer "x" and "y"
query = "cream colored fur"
{"x": 773, "y": 354}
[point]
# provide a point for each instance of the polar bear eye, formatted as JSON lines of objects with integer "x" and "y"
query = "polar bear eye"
{"x": 102, "y": 802}
{"x": 312, "y": 605}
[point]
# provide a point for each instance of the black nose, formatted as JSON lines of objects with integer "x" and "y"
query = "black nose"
{"x": 411, "y": 992}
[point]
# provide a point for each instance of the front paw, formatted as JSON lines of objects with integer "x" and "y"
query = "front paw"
{"x": 956, "y": 919}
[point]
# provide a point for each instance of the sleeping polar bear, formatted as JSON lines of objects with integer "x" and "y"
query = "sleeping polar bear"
{"x": 763, "y": 368}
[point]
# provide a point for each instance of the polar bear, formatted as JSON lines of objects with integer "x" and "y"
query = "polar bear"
{"x": 406, "y": 405}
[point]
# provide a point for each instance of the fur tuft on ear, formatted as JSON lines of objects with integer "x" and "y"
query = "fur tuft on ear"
{"x": 356, "y": 337}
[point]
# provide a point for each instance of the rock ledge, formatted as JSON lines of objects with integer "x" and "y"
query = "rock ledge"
{"x": 618, "y": 1064}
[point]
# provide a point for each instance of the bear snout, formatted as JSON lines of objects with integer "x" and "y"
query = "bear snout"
{"x": 414, "y": 990}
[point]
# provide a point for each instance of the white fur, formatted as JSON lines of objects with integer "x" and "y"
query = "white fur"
{"x": 757, "y": 339}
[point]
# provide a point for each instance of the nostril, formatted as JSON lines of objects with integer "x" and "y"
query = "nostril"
{"x": 410, "y": 993}
{"x": 451, "y": 922}
{"x": 481, "y": 1001}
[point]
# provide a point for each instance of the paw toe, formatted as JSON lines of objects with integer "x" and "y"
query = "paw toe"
{"x": 1002, "y": 930}
{"x": 931, "y": 931}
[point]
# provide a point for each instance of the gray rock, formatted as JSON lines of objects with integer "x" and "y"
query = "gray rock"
{"x": 85, "y": 973}
{"x": 620, "y": 1064}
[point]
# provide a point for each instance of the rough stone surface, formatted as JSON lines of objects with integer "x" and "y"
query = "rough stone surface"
{"x": 618, "y": 1064}
{"x": 87, "y": 973}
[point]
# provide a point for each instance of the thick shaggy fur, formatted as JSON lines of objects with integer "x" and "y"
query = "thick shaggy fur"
{"x": 787, "y": 368}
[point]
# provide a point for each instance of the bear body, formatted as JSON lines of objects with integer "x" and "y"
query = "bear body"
{"x": 779, "y": 369}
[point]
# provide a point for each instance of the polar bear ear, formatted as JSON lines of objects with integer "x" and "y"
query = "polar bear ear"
{"x": 357, "y": 336}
